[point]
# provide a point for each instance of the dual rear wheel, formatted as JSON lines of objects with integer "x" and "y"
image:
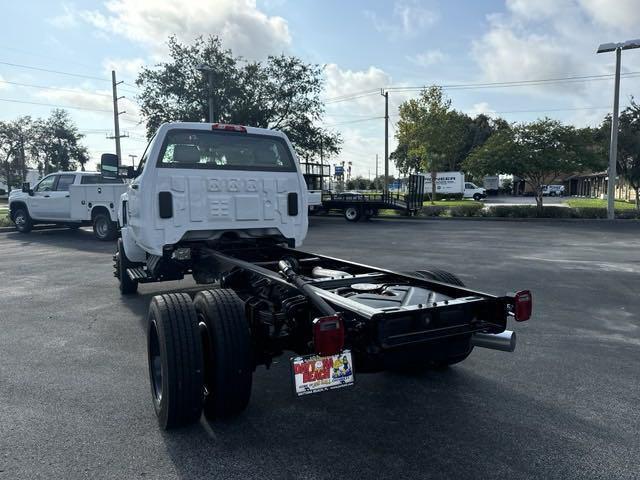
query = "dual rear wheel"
{"x": 200, "y": 356}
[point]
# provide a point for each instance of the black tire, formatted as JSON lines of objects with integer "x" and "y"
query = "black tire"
{"x": 352, "y": 213}
{"x": 22, "y": 220}
{"x": 446, "y": 277}
{"x": 477, "y": 197}
{"x": 103, "y": 228}
{"x": 370, "y": 212}
{"x": 174, "y": 353}
{"x": 228, "y": 357}
{"x": 439, "y": 276}
{"x": 120, "y": 265}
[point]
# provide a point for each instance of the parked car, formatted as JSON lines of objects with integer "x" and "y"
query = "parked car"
{"x": 553, "y": 190}
{"x": 69, "y": 198}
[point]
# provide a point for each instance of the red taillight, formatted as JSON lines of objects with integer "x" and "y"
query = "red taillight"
{"x": 229, "y": 128}
{"x": 522, "y": 305}
{"x": 328, "y": 335}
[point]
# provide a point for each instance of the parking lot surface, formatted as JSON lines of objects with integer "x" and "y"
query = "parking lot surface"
{"x": 75, "y": 401}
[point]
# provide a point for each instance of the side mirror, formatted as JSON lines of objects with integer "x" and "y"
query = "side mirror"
{"x": 109, "y": 164}
{"x": 26, "y": 188}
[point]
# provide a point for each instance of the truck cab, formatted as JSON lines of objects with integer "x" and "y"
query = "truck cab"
{"x": 471, "y": 190}
{"x": 202, "y": 184}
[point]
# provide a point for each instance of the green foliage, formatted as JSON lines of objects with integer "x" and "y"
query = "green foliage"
{"x": 538, "y": 152}
{"x": 471, "y": 210}
{"x": 628, "y": 165}
{"x": 50, "y": 144}
{"x": 528, "y": 211}
{"x": 281, "y": 93}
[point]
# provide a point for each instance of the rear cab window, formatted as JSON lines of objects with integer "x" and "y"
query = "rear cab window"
{"x": 64, "y": 181}
{"x": 221, "y": 150}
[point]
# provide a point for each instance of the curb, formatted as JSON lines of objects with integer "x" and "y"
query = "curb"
{"x": 489, "y": 219}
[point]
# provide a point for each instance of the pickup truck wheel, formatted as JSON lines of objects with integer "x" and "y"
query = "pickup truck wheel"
{"x": 477, "y": 197}
{"x": 228, "y": 359}
{"x": 103, "y": 228}
{"x": 174, "y": 354}
{"x": 120, "y": 265}
{"x": 23, "y": 221}
{"x": 352, "y": 214}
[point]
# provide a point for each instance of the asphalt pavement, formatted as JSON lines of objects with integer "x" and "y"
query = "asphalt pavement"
{"x": 75, "y": 400}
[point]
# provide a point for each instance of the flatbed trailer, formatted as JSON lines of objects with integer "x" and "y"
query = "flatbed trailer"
{"x": 356, "y": 206}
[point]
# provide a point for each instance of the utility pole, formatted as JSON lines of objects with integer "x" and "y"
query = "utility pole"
{"x": 133, "y": 159}
{"x": 116, "y": 115}
{"x": 376, "y": 177}
{"x": 386, "y": 139}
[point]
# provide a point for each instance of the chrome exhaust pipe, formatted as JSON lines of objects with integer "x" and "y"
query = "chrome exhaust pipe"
{"x": 505, "y": 341}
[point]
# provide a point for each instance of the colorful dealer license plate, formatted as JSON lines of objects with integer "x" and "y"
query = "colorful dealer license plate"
{"x": 314, "y": 373}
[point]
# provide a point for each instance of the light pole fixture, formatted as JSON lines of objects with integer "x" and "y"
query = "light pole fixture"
{"x": 613, "y": 148}
{"x": 208, "y": 70}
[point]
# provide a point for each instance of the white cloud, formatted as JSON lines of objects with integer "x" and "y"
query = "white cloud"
{"x": 124, "y": 67}
{"x": 619, "y": 15}
{"x": 428, "y": 58}
{"x": 67, "y": 19}
{"x": 480, "y": 108}
{"x": 98, "y": 101}
{"x": 239, "y": 23}
{"x": 408, "y": 19}
{"x": 505, "y": 54}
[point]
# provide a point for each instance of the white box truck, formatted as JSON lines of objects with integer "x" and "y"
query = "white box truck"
{"x": 451, "y": 183}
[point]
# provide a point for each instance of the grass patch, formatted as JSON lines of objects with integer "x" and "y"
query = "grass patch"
{"x": 451, "y": 203}
{"x": 598, "y": 203}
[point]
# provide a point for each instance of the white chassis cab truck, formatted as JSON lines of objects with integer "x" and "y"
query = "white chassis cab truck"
{"x": 72, "y": 199}
{"x": 227, "y": 204}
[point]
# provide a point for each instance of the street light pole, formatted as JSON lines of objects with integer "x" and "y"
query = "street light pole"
{"x": 613, "y": 148}
{"x": 206, "y": 69}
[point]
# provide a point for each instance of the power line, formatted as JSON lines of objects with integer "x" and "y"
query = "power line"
{"x": 11, "y": 100}
{"x": 519, "y": 83}
{"x": 353, "y": 121}
{"x": 69, "y": 74}
{"x": 58, "y": 72}
{"x": 55, "y": 88}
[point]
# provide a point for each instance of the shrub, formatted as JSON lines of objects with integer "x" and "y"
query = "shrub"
{"x": 5, "y": 221}
{"x": 433, "y": 211}
{"x": 529, "y": 211}
{"x": 589, "y": 212}
{"x": 471, "y": 210}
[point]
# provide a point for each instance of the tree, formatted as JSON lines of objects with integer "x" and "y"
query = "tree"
{"x": 628, "y": 160}
{"x": 59, "y": 143}
{"x": 17, "y": 146}
{"x": 432, "y": 131}
{"x": 281, "y": 93}
{"x": 538, "y": 152}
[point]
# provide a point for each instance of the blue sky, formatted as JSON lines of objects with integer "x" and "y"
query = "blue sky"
{"x": 363, "y": 45}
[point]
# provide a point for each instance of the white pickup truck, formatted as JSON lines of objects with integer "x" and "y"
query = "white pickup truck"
{"x": 69, "y": 198}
